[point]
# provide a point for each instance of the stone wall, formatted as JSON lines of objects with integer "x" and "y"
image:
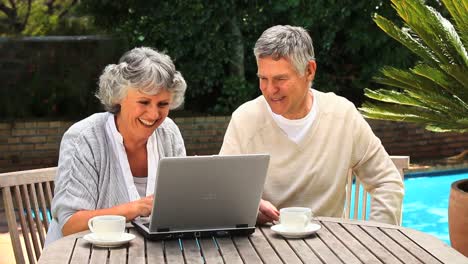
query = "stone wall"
{"x": 35, "y": 144}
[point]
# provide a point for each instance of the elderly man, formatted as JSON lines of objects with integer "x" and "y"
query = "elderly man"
{"x": 313, "y": 138}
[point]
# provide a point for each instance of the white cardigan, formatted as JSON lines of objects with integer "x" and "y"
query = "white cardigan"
{"x": 313, "y": 172}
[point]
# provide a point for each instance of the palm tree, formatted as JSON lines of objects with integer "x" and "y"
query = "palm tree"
{"x": 435, "y": 91}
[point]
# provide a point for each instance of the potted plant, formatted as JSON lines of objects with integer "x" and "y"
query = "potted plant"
{"x": 458, "y": 216}
{"x": 435, "y": 91}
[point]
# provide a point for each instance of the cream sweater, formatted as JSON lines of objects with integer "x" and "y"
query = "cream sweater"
{"x": 313, "y": 173}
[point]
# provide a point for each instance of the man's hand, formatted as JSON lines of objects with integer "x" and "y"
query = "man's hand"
{"x": 267, "y": 213}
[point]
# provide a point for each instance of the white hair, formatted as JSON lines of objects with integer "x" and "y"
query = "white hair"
{"x": 293, "y": 43}
{"x": 144, "y": 69}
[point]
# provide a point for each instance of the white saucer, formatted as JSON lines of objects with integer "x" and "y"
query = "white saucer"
{"x": 310, "y": 229}
{"x": 92, "y": 238}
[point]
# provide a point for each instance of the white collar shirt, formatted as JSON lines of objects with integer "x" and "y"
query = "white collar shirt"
{"x": 296, "y": 129}
{"x": 119, "y": 150}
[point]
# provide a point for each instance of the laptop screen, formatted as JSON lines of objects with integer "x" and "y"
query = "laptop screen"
{"x": 208, "y": 192}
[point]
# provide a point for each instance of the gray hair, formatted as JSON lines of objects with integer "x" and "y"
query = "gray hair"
{"x": 144, "y": 69}
{"x": 289, "y": 42}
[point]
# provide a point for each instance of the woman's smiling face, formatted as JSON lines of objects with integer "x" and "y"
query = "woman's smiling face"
{"x": 140, "y": 114}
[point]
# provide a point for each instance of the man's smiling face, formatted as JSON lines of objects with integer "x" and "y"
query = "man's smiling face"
{"x": 285, "y": 90}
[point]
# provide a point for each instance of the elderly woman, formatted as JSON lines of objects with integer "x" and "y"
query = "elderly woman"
{"x": 107, "y": 163}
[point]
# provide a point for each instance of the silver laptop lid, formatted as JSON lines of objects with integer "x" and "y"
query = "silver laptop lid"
{"x": 208, "y": 192}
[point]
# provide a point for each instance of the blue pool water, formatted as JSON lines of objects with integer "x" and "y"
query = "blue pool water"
{"x": 425, "y": 205}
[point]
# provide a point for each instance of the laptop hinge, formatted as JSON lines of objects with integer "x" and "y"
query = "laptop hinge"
{"x": 242, "y": 226}
{"x": 165, "y": 229}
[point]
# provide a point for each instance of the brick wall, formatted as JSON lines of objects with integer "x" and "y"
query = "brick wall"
{"x": 26, "y": 145}
{"x": 401, "y": 138}
{"x": 202, "y": 135}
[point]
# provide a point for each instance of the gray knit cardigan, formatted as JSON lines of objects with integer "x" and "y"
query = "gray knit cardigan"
{"x": 89, "y": 176}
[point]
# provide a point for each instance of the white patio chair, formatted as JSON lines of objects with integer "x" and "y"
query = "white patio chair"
{"x": 360, "y": 198}
{"x": 27, "y": 196}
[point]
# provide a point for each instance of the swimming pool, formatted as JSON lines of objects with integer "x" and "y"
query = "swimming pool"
{"x": 425, "y": 205}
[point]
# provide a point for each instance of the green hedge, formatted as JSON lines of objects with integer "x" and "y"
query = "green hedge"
{"x": 53, "y": 77}
{"x": 212, "y": 42}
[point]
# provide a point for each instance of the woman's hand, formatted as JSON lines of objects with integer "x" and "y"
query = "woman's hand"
{"x": 141, "y": 207}
{"x": 79, "y": 220}
{"x": 267, "y": 213}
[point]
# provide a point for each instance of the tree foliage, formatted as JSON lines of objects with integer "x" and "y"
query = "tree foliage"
{"x": 435, "y": 91}
{"x": 51, "y": 78}
{"x": 212, "y": 42}
{"x": 41, "y": 17}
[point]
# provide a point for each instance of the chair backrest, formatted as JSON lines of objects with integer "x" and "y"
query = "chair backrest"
{"x": 359, "y": 204}
{"x": 27, "y": 196}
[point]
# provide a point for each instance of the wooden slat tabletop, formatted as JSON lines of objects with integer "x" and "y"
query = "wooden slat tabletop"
{"x": 338, "y": 241}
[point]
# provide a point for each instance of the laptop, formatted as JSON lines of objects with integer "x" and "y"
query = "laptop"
{"x": 201, "y": 196}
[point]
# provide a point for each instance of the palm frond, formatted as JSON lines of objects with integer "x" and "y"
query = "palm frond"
{"x": 403, "y": 79}
{"x": 402, "y": 110}
{"x": 443, "y": 80}
{"x": 440, "y": 103}
{"x": 416, "y": 19}
{"x": 409, "y": 80}
{"x": 458, "y": 74}
{"x": 410, "y": 114}
{"x": 406, "y": 39}
{"x": 463, "y": 121}
{"x": 368, "y": 113}
{"x": 437, "y": 103}
{"x": 435, "y": 91}
{"x": 441, "y": 129}
{"x": 458, "y": 9}
{"x": 390, "y": 96}
{"x": 433, "y": 29}
{"x": 429, "y": 82}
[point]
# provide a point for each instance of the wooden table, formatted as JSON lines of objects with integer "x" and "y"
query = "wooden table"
{"x": 338, "y": 241}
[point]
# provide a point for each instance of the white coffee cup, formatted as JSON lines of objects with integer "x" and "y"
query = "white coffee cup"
{"x": 295, "y": 218}
{"x": 107, "y": 227}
